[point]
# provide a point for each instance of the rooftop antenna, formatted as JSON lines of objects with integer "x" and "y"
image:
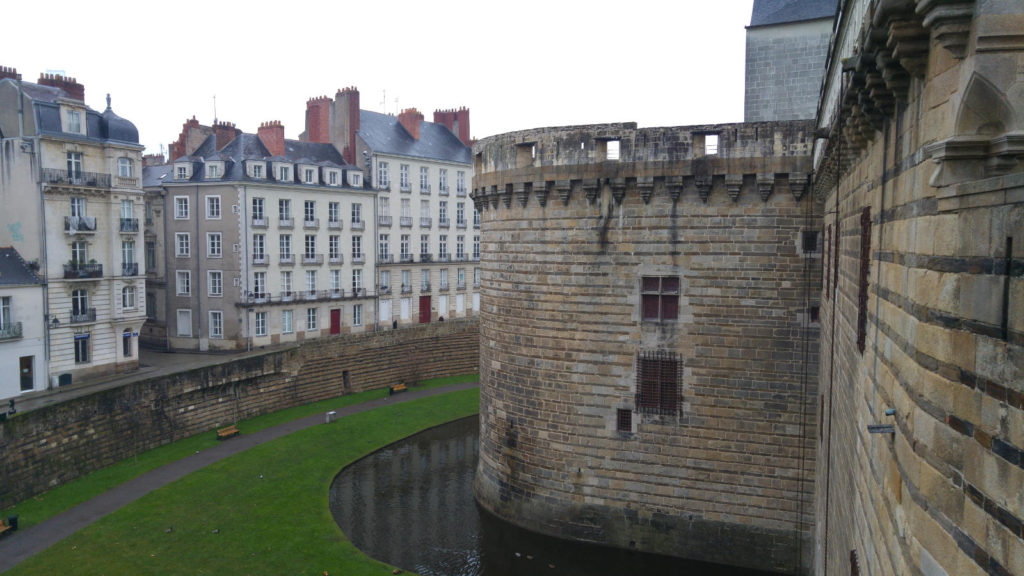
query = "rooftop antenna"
{"x": 215, "y": 109}
{"x": 384, "y": 101}
{"x": 396, "y": 106}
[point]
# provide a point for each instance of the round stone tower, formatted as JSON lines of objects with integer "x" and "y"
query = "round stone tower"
{"x": 648, "y": 337}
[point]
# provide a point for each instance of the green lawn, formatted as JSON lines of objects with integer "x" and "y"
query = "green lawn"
{"x": 226, "y": 519}
{"x": 53, "y": 502}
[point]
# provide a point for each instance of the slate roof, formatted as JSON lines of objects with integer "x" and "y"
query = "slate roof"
{"x": 384, "y": 134}
{"x": 13, "y": 270}
{"x": 107, "y": 126}
{"x": 769, "y": 12}
{"x": 153, "y": 176}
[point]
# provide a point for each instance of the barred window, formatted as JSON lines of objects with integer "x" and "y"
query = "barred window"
{"x": 660, "y": 297}
{"x": 659, "y": 378}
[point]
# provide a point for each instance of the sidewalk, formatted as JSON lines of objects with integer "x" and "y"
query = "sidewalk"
{"x": 25, "y": 543}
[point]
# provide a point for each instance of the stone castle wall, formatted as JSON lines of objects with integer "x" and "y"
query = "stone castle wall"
{"x": 923, "y": 292}
{"x": 53, "y": 445}
{"x": 569, "y": 231}
{"x": 783, "y": 70}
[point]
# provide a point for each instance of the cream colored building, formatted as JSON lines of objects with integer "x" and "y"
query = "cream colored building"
{"x": 71, "y": 182}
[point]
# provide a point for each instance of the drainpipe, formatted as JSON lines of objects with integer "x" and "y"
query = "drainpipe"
{"x": 43, "y": 260}
{"x": 243, "y": 249}
{"x": 198, "y": 282}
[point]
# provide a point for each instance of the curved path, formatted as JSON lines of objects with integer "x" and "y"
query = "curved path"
{"x": 25, "y": 543}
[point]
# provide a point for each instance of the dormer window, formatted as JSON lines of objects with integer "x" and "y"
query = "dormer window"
{"x": 284, "y": 173}
{"x": 182, "y": 171}
{"x": 332, "y": 177}
{"x": 213, "y": 170}
{"x": 74, "y": 118}
{"x": 355, "y": 179}
{"x": 256, "y": 170}
{"x": 309, "y": 175}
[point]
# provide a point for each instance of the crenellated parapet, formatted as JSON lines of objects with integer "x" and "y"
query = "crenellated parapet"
{"x": 699, "y": 162}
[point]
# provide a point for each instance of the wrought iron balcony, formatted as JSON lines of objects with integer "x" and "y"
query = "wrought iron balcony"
{"x": 10, "y": 331}
{"x": 288, "y": 259}
{"x": 443, "y": 287}
{"x": 405, "y": 258}
{"x": 335, "y": 259}
{"x": 286, "y": 223}
{"x": 425, "y": 287}
{"x": 74, "y": 270}
{"x": 57, "y": 176}
{"x": 460, "y": 257}
{"x": 460, "y": 223}
{"x": 460, "y": 286}
{"x": 444, "y": 223}
{"x": 129, "y": 269}
{"x": 426, "y": 257}
{"x": 426, "y": 190}
{"x": 406, "y": 188}
{"x": 129, "y": 225}
{"x": 359, "y": 258}
{"x": 384, "y": 220}
{"x": 443, "y": 191}
{"x": 358, "y": 225}
{"x": 80, "y": 224}
{"x": 260, "y": 260}
{"x": 444, "y": 257}
{"x": 425, "y": 221}
{"x": 405, "y": 221}
{"x": 385, "y": 258}
{"x": 259, "y": 222}
{"x": 312, "y": 259}
{"x": 460, "y": 192}
{"x": 83, "y": 316}
{"x": 406, "y": 288}
{"x": 311, "y": 224}
{"x": 334, "y": 224}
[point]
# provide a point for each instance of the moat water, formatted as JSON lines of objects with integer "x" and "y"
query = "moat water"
{"x": 411, "y": 505}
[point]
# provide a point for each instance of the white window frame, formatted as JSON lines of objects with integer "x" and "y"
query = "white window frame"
{"x": 213, "y": 208}
{"x": 182, "y": 245}
{"x": 260, "y": 324}
{"x": 215, "y": 283}
{"x": 184, "y": 329}
{"x": 129, "y": 298}
{"x": 125, "y": 167}
{"x": 357, "y": 314}
{"x": 181, "y": 211}
{"x": 287, "y": 322}
{"x": 214, "y": 245}
{"x": 216, "y": 324}
{"x": 183, "y": 282}
{"x": 312, "y": 319}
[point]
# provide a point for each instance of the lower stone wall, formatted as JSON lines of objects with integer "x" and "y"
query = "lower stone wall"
{"x": 53, "y": 445}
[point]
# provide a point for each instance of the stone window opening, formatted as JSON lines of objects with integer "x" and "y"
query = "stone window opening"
{"x": 659, "y": 298}
{"x": 710, "y": 144}
{"x": 865, "y": 265}
{"x": 809, "y": 241}
{"x": 624, "y": 420}
{"x": 659, "y": 379}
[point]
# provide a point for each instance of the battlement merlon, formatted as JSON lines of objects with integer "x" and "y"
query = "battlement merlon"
{"x": 759, "y": 156}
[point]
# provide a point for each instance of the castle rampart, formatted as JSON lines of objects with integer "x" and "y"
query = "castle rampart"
{"x": 649, "y": 337}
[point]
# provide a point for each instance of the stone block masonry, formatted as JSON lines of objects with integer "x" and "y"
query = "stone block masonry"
{"x": 581, "y": 247}
{"x": 53, "y": 445}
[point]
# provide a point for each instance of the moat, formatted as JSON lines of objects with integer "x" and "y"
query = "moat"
{"x": 411, "y": 505}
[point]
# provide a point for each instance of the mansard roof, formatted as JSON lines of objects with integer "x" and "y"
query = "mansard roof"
{"x": 105, "y": 127}
{"x": 13, "y": 270}
{"x": 155, "y": 175}
{"x": 384, "y": 134}
{"x": 770, "y": 12}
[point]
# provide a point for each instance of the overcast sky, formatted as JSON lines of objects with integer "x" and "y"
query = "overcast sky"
{"x": 515, "y": 65}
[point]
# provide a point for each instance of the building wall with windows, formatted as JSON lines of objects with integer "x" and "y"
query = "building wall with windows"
{"x": 84, "y": 173}
{"x": 22, "y": 330}
{"x": 920, "y": 466}
{"x": 649, "y": 337}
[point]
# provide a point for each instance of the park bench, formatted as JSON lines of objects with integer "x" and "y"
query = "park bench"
{"x": 6, "y": 527}
{"x": 396, "y": 389}
{"x": 227, "y": 432}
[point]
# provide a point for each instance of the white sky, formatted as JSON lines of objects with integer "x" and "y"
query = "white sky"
{"x": 515, "y": 65}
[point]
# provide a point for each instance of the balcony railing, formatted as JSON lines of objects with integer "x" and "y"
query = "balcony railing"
{"x": 405, "y": 188}
{"x": 129, "y": 269}
{"x": 460, "y": 257}
{"x": 424, "y": 286}
{"x": 359, "y": 258}
{"x": 358, "y": 225}
{"x": 460, "y": 286}
{"x": 129, "y": 225}
{"x": 425, "y": 221}
{"x": 259, "y": 222}
{"x": 460, "y": 223}
{"x": 460, "y": 192}
{"x": 384, "y": 220}
{"x": 476, "y": 224}
{"x": 385, "y": 258}
{"x": 308, "y": 295}
{"x": 312, "y": 259}
{"x": 475, "y": 257}
{"x": 288, "y": 259}
{"x": 83, "y": 316}
{"x": 443, "y": 287}
{"x": 76, "y": 178}
{"x": 335, "y": 259}
{"x": 405, "y": 258}
{"x": 10, "y": 331}
{"x": 444, "y": 223}
{"x": 425, "y": 190}
{"x": 311, "y": 224}
{"x": 72, "y": 271}
{"x": 334, "y": 224}
{"x": 406, "y": 288}
{"x": 444, "y": 257}
{"x": 80, "y": 224}
{"x": 443, "y": 190}
{"x": 405, "y": 221}
{"x": 426, "y": 257}
{"x": 287, "y": 296}
{"x": 260, "y": 260}
{"x": 286, "y": 223}
{"x": 126, "y": 181}
{"x": 385, "y": 290}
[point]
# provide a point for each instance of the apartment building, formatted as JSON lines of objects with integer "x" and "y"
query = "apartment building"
{"x": 22, "y": 331}
{"x": 427, "y": 241}
{"x": 70, "y": 178}
{"x": 265, "y": 240}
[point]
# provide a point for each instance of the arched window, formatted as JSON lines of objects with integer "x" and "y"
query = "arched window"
{"x": 125, "y": 167}
{"x": 128, "y": 297}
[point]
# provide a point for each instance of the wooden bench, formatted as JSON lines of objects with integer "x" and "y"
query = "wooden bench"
{"x": 396, "y": 389}
{"x": 5, "y": 527}
{"x": 228, "y": 432}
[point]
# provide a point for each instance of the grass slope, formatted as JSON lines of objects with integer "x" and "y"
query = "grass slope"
{"x": 225, "y": 519}
{"x": 52, "y": 502}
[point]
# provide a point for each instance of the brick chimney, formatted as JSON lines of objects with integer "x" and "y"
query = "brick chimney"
{"x": 153, "y": 160}
{"x": 75, "y": 90}
{"x": 272, "y": 135}
{"x": 346, "y": 123}
{"x": 318, "y": 120}
{"x": 410, "y": 119}
{"x": 191, "y": 137}
{"x": 457, "y": 122}
{"x": 11, "y": 73}
{"x": 225, "y": 133}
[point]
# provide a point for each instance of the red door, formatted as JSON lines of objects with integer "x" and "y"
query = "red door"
{"x": 424, "y": 309}
{"x": 336, "y": 321}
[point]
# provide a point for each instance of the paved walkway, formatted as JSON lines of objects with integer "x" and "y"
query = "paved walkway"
{"x": 25, "y": 543}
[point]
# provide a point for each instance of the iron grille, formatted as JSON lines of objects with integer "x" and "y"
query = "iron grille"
{"x": 659, "y": 383}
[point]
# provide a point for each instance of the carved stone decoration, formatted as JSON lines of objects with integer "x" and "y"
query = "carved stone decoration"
{"x": 733, "y": 183}
{"x": 798, "y": 184}
{"x": 522, "y": 192}
{"x": 479, "y": 200}
{"x": 618, "y": 189}
{"x": 703, "y": 187}
{"x": 765, "y": 183}
{"x": 494, "y": 197}
{"x": 645, "y": 184}
{"x": 950, "y": 21}
{"x": 909, "y": 43}
{"x": 675, "y": 187}
{"x": 563, "y": 187}
{"x": 541, "y": 190}
{"x": 591, "y": 186}
{"x": 506, "y": 197}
